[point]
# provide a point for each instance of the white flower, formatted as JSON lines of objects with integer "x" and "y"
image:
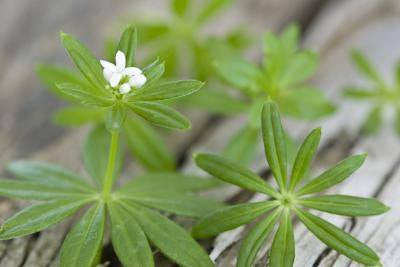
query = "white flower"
{"x": 115, "y": 73}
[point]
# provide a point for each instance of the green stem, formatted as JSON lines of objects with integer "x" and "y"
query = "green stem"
{"x": 112, "y": 155}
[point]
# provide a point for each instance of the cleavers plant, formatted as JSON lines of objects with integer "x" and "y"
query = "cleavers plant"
{"x": 291, "y": 198}
{"x": 133, "y": 208}
{"x": 379, "y": 94}
{"x": 282, "y": 78}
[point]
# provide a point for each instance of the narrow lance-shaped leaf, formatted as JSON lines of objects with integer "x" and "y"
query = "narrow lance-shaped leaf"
{"x": 127, "y": 44}
{"x": 160, "y": 115}
{"x": 77, "y": 116}
{"x": 184, "y": 204}
{"x": 167, "y": 182}
{"x": 153, "y": 73}
{"x": 256, "y": 237}
{"x": 365, "y": 67}
{"x": 274, "y": 142}
{"x": 179, "y": 7}
{"x": 38, "y": 217}
{"x": 168, "y": 90}
{"x": 84, "y": 60}
{"x": 231, "y": 172}
{"x": 128, "y": 239}
{"x": 147, "y": 146}
{"x": 231, "y": 217}
{"x": 86, "y": 97}
{"x": 334, "y": 175}
{"x": 373, "y": 121}
{"x": 170, "y": 238}
{"x": 48, "y": 174}
{"x": 83, "y": 243}
{"x": 211, "y": 8}
{"x": 338, "y": 240}
{"x": 35, "y": 191}
{"x": 345, "y": 205}
{"x": 358, "y": 92}
{"x": 304, "y": 157}
{"x": 242, "y": 145}
{"x": 282, "y": 249}
{"x": 397, "y": 121}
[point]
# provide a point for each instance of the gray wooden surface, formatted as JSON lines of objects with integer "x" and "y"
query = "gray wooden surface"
{"x": 29, "y": 35}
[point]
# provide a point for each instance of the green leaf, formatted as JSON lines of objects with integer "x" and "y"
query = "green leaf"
{"x": 86, "y": 97}
{"x": 305, "y": 103}
{"x": 116, "y": 117}
{"x": 239, "y": 73}
{"x": 82, "y": 245}
{"x": 282, "y": 249}
{"x": 397, "y": 121}
{"x": 300, "y": 67}
{"x": 147, "y": 146}
{"x": 84, "y": 60}
{"x": 290, "y": 38}
{"x": 166, "y": 182}
{"x": 51, "y": 75}
{"x": 242, "y": 145}
{"x": 184, "y": 205}
{"x": 160, "y": 115}
{"x": 77, "y": 116}
{"x": 169, "y": 237}
{"x": 338, "y": 240}
{"x": 334, "y": 175}
{"x": 231, "y": 217}
{"x": 215, "y": 101}
{"x": 95, "y": 154}
{"x": 365, "y": 67}
{"x": 211, "y": 8}
{"x": 167, "y": 90}
{"x": 153, "y": 73}
{"x": 128, "y": 240}
{"x": 358, "y": 92}
{"x": 180, "y": 7}
{"x": 34, "y": 191}
{"x": 397, "y": 75}
{"x": 254, "y": 240}
{"x": 38, "y": 217}
{"x": 47, "y": 174}
{"x": 274, "y": 142}
{"x": 345, "y": 205}
{"x": 231, "y": 172}
{"x": 127, "y": 44}
{"x": 373, "y": 121}
{"x": 304, "y": 157}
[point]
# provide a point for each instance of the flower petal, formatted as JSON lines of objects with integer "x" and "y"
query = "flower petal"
{"x": 108, "y": 65}
{"x": 132, "y": 71}
{"x": 107, "y": 74}
{"x": 115, "y": 79}
{"x": 137, "y": 81}
{"x": 125, "y": 88}
{"x": 120, "y": 61}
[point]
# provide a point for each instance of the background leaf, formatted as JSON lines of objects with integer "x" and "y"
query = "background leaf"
{"x": 95, "y": 154}
{"x": 365, "y": 67}
{"x": 372, "y": 121}
{"x": 147, "y": 146}
{"x": 77, "y": 116}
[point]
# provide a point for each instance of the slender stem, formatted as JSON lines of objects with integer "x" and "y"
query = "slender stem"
{"x": 108, "y": 179}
